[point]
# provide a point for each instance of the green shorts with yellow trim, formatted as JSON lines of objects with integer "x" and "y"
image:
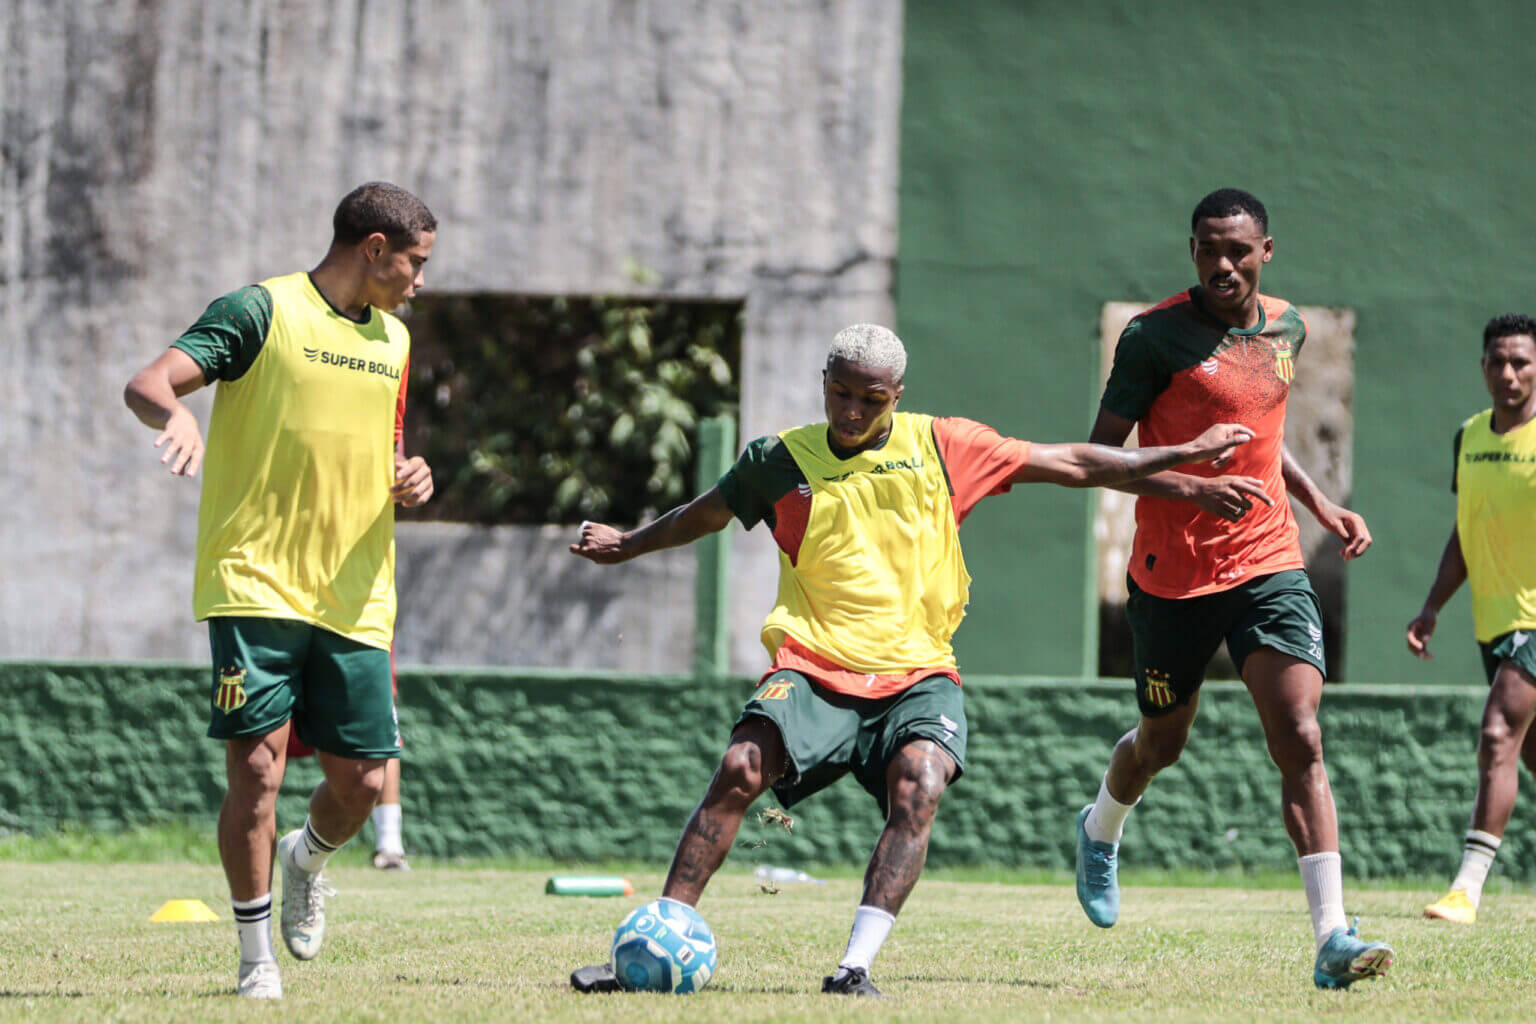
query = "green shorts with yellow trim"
{"x": 336, "y": 690}
{"x": 829, "y": 734}
{"x": 1517, "y": 647}
{"x": 1175, "y": 638}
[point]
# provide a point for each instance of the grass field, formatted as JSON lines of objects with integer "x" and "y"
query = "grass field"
{"x": 469, "y": 942}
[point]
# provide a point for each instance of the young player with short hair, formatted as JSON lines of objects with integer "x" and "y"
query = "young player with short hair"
{"x": 1218, "y": 558}
{"x": 866, "y": 509}
{"x": 295, "y": 566}
{"x": 1492, "y": 547}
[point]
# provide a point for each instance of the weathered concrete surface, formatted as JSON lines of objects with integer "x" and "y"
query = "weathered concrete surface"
{"x": 159, "y": 153}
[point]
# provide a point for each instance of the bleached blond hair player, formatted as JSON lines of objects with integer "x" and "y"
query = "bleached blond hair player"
{"x": 865, "y": 508}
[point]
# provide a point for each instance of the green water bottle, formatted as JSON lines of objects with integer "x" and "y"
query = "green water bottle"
{"x": 588, "y": 885}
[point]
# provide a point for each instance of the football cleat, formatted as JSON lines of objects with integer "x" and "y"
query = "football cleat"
{"x": 1345, "y": 958}
{"x": 850, "y": 981}
{"x": 304, "y": 896}
{"x": 1453, "y": 906}
{"x": 1098, "y": 886}
{"x": 597, "y": 978}
{"x": 390, "y": 861}
{"x": 260, "y": 980}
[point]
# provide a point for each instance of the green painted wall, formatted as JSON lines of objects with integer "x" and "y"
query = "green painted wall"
{"x": 1051, "y": 154}
{"x": 590, "y": 767}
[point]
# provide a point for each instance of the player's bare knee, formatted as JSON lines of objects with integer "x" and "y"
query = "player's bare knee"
{"x": 918, "y": 778}
{"x": 1159, "y": 750}
{"x": 1497, "y": 740}
{"x": 741, "y": 776}
{"x": 1297, "y": 746}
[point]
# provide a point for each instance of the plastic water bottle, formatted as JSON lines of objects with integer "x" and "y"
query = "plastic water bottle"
{"x": 778, "y": 876}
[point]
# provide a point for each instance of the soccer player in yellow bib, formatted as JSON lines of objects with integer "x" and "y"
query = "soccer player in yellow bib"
{"x": 1493, "y": 548}
{"x": 866, "y": 509}
{"x": 295, "y": 544}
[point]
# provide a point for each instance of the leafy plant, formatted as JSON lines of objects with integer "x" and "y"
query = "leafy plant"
{"x": 554, "y": 410}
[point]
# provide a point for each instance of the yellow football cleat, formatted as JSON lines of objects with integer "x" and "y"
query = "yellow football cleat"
{"x": 1453, "y": 906}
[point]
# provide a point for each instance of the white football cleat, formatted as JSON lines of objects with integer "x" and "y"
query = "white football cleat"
{"x": 304, "y": 895}
{"x": 260, "y": 980}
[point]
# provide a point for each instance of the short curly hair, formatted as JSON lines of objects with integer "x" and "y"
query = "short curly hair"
{"x": 1229, "y": 202}
{"x": 381, "y": 207}
{"x": 1507, "y": 325}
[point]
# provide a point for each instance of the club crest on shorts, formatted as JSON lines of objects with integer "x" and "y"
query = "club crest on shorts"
{"x": 778, "y": 690}
{"x": 231, "y": 692}
{"x": 1159, "y": 690}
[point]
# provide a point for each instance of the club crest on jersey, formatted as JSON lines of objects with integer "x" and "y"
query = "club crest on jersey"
{"x": 1159, "y": 688}
{"x": 231, "y": 692}
{"x": 1285, "y": 366}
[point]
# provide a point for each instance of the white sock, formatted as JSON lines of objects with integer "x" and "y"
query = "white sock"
{"x": 871, "y": 926}
{"x": 1106, "y": 822}
{"x": 1322, "y": 876}
{"x": 253, "y": 920}
{"x": 1481, "y": 849}
{"x": 386, "y": 829}
{"x": 311, "y": 852}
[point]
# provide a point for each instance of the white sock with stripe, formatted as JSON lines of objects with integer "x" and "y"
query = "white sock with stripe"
{"x": 311, "y": 852}
{"x": 1481, "y": 848}
{"x": 253, "y": 921}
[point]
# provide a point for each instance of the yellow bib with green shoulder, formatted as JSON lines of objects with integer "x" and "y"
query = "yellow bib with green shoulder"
{"x": 879, "y": 584}
{"x": 296, "y": 520}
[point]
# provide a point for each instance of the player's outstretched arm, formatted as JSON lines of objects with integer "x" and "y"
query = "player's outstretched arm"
{"x": 1333, "y": 517}
{"x": 1227, "y": 496}
{"x": 606, "y": 545}
{"x": 154, "y": 396}
{"x": 1448, "y": 579}
{"x": 1101, "y": 465}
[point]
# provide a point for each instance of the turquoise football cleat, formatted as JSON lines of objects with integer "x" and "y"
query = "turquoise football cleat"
{"x": 1098, "y": 887}
{"x": 1346, "y": 958}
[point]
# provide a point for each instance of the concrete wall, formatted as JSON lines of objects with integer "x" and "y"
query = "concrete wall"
{"x": 1051, "y": 155}
{"x": 586, "y": 765}
{"x": 161, "y": 152}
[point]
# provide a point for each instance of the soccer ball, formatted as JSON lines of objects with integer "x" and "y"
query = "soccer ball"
{"x": 664, "y": 946}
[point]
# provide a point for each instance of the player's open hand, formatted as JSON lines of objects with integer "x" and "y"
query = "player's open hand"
{"x": 183, "y": 443}
{"x": 1420, "y": 630}
{"x": 600, "y": 543}
{"x": 1218, "y": 443}
{"x": 413, "y": 481}
{"x": 1348, "y": 525}
{"x": 1230, "y": 497}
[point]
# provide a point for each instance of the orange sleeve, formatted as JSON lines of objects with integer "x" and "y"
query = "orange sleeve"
{"x": 405, "y": 378}
{"x": 977, "y": 459}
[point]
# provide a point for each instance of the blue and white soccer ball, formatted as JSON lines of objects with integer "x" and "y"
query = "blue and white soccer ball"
{"x": 664, "y": 946}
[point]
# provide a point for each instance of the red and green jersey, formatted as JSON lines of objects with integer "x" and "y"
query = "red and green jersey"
{"x": 872, "y": 583}
{"x": 1178, "y": 370}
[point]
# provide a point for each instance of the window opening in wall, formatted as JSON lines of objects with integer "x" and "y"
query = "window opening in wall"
{"x": 536, "y": 409}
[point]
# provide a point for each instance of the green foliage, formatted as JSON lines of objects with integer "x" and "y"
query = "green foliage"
{"x": 535, "y": 410}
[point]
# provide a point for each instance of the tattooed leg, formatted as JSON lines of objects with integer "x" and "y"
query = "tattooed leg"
{"x": 753, "y": 762}
{"x": 915, "y": 779}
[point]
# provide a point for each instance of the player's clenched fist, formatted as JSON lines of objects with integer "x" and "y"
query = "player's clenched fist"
{"x": 601, "y": 543}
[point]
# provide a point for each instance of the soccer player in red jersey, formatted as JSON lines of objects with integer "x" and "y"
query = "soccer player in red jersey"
{"x": 1217, "y": 557}
{"x": 866, "y": 509}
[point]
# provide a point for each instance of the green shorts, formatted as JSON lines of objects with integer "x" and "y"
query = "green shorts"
{"x": 1518, "y": 647}
{"x": 1174, "y": 638}
{"x": 828, "y": 734}
{"x": 336, "y": 691}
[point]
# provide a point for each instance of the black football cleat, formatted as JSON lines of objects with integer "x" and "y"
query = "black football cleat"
{"x": 850, "y": 981}
{"x": 597, "y": 978}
